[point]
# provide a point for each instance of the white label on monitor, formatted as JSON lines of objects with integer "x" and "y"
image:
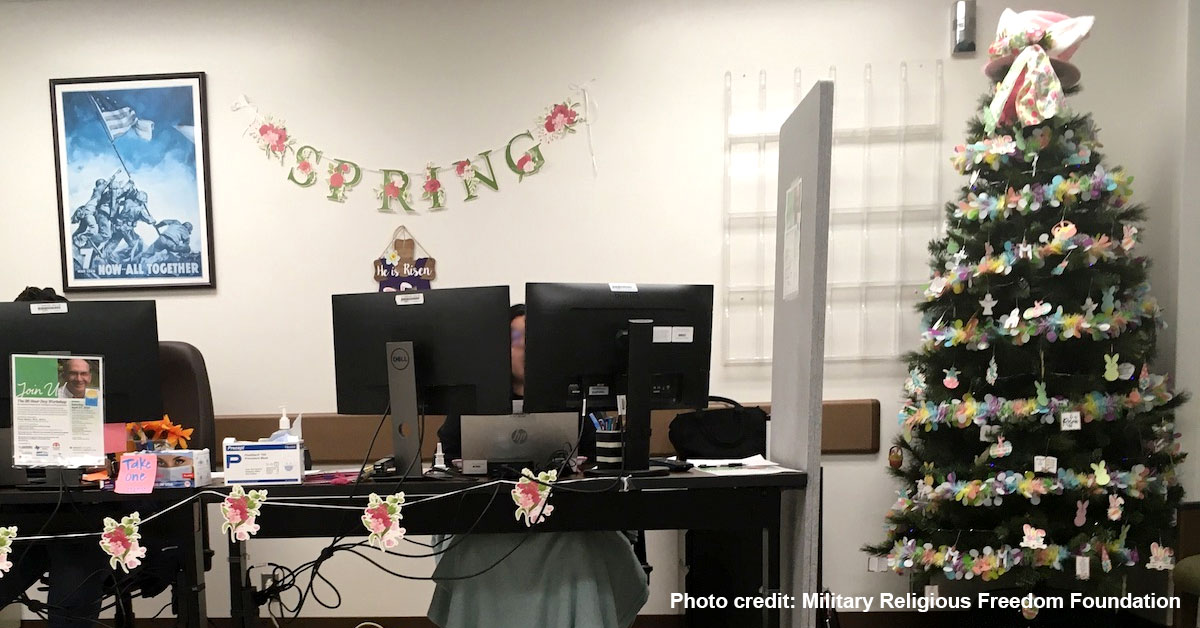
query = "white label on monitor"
{"x": 413, "y": 298}
{"x": 683, "y": 334}
{"x": 662, "y": 333}
{"x": 622, "y": 287}
{"x": 597, "y": 391}
{"x": 47, "y": 308}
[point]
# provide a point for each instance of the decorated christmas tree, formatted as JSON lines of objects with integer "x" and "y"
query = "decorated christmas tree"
{"x": 1036, "y": 442}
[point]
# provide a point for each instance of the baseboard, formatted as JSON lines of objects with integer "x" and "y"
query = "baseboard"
{"x": 643, "y": 621}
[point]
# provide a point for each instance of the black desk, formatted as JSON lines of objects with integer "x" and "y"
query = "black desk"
{"x": 682, "y": 501}
{"x": 85, "y": 510}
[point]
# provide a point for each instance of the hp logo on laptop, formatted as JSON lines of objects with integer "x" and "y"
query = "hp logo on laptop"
{"x": 400, "y": 359}
{"x": 519, "y": 436}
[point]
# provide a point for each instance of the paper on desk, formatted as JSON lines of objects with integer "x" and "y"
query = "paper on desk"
{"x": 753, "y": 465}
{"x": 767, "y": 470}
{"x": 752, "y": 461}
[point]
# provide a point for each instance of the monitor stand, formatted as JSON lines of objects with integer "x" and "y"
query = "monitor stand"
{"x": 402, "y": 391}
{"x": 69, "y": 478}
{"x": 635, "y": 451}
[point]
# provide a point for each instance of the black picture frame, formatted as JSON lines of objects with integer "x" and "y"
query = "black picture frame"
{"x": 131, "y": 165}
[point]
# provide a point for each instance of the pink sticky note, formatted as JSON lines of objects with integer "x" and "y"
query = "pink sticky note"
{"x": 135, "y": 473}
{"x": 115, "y": 438}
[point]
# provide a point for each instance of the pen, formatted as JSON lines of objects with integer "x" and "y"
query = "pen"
{"x": 594, "y": 421}
{"x": 720, "y": 466}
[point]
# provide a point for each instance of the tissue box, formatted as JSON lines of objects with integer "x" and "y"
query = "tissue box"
{"x": 182, "y": 468}
{"x": 251, "y": 463}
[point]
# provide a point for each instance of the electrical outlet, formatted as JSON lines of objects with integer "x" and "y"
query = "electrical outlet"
{"x": 877, "y": 564}
{"x": 265, "y": 581}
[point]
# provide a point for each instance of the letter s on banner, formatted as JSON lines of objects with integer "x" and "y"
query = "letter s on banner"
{"x": 310, "y": 167}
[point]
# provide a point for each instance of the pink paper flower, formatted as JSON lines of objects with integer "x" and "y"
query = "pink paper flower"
{"x": 525, "y": 163}
{"x": 117, "y": 540}
{"x": 248, "y": 528}
{"x": 240, "y": 509}
{"x": 274, "y": 136}
{"x": 378, "y": 519}
{"x": 381, "y": 518}
{"x": 336, "y": 180}
{"x": 460, "y": 167}
{"x": 530, "y": 496}
{"x": 432, "y": 186}
{"x": 561, "y": 116}
{"x": 391, "y": 190}
{"x": 304, "y": 167}
{"x": 120, "y": 541}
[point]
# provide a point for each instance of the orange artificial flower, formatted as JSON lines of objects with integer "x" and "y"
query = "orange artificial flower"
{"x": 175, "y": 435}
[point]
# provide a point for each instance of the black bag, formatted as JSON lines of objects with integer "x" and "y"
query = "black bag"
{"x": 733, "y": 432}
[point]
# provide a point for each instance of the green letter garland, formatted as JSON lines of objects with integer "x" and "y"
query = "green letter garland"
{"x": 522, "y": 154}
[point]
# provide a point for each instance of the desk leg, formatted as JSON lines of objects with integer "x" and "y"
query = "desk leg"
{"x": 242, "y": 609}
{"x": 191, "y": 578}
{"x": 771, "y": 578}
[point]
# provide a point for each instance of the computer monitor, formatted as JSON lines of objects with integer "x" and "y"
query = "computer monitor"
{"x": 650, "y": 343}
{"x": 576, "y": 344}
{"x": 458, "y": 359}
{"x": 460, "y": 342}
{"x": 124, "y": 333}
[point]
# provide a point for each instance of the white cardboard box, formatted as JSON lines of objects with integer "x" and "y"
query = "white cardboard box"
{"x": 254, "y": 463}
{"x": 182, "y": 468}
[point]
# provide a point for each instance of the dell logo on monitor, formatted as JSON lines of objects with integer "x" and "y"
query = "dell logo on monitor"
{"x": 519, "y": 436}
{"x": 400, "y": 359}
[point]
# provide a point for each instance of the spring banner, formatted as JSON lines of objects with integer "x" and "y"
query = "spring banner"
{"x": 413, "y": 189}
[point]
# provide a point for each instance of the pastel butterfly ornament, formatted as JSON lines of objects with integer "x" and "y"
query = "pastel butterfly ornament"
{"x": 1035, "y": 538}
{"x": 1161, "y": 558}
{"x": 1102, "y": 478}
{"x": 1080, "y": 513}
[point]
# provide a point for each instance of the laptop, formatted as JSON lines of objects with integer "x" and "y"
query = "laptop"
{"x": 537, "y": 441}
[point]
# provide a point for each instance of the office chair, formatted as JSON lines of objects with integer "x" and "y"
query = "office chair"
{"x": 187, "y": 398}
{"x": 1187, "y": 587}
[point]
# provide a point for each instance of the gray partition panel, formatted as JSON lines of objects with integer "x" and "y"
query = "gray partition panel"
{"x": 802, "y": 242}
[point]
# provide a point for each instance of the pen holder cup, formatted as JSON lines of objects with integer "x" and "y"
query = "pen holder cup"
{"x": 608, "y": 449}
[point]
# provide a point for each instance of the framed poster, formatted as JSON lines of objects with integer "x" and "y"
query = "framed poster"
{"x": 131, "y": 157}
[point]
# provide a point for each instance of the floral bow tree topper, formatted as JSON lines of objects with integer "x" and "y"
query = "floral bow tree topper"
{"x": 531, "y": 494}
{"x": 7, "y": 535}
{"x": 382, "y": 518}
{"x": 120, "y": 541}
{"x": 240, "y": 510}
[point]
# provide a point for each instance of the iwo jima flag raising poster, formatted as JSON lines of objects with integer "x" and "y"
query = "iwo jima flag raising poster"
{"x": 131, "y": 157}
